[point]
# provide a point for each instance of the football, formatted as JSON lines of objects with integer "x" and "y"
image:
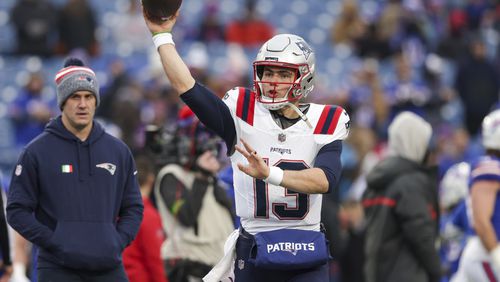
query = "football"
{"x": 158, "y": 11}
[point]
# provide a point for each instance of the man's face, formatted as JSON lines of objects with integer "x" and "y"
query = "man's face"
{"x": 276, "y": 81}
{"x": 79, "y": 109}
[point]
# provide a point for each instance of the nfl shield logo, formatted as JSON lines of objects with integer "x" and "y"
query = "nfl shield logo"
{"x": 282, "y": 137}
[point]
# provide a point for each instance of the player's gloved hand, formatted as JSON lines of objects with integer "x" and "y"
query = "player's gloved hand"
{"x": 495, "y": 257}
{"x": 19, "y": 273}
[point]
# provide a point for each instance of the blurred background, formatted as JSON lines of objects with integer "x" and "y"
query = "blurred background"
{"x": 437, "y": 58}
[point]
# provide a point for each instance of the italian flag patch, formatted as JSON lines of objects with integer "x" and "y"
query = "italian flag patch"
{"x": 67, "y": 168}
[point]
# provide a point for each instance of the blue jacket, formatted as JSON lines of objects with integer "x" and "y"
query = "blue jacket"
{"x": 78, "y": 201}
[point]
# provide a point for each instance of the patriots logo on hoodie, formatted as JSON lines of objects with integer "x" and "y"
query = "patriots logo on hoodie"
{"x": 111, "y": 168}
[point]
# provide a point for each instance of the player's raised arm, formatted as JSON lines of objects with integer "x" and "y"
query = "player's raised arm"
{"x": 176, "y": 70}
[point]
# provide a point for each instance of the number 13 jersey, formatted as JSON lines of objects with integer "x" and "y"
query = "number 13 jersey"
{"x": 263, "y": 206}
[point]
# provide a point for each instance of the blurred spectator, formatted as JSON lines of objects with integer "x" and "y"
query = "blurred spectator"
{"x": 249, "y": 30}
{"x": 406, "y": 92}
{"x": 31, "y": 110}
{"x": 401, "y": 207}
{"x": 34, "y": 22}
{"x": 129, "y": 32}
{"x": 478, "y": 85}
{"x": 77, "y": 28}
{"x": 444, "y": 105}
{"x": 475, "y": 10}
{"x": 128, "y": 100}
{"x": 189, "y": 199}
{"x": 119, "y": 78}
{"x": 373, "y": 43}
{"x": 124, "y": 94}
{"x": 452, "y": 44}
{"x": 367, "y": 103}
{"x": 211, "y": 29}
{"x": 142, "y": 259}
{"x": 389, "y": 24}
{"x": 455, "y": 145}
{"x": 349, "y": 26}
{"x": 411, "y": 39}
{"x": 454, "y": 224}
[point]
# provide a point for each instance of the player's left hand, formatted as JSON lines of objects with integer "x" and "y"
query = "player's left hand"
{"x": 256, "y": 167}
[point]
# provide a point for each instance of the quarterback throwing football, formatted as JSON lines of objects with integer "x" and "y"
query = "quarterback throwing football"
{"x": 285, "y": 155}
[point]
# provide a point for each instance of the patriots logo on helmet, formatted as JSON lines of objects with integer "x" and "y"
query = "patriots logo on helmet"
{"x": 305, "y": 48}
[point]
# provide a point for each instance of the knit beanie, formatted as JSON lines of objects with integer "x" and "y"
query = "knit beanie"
{"x": 75, "y": 76}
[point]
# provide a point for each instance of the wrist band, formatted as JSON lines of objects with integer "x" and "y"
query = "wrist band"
{"x": 162, "y": 39}
{"x": 495, "y": 256}
{"x": 19, "y": 269}
{"x": 275, "y": 176}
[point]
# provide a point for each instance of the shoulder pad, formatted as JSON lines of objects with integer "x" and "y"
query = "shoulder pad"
{"x": 241, "y": 101}
{"x": 333, "y": 121}
{"x": 486, "y": 169}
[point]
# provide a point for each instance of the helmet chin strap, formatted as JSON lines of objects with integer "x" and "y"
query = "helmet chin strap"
{"x": 300, "y": 113}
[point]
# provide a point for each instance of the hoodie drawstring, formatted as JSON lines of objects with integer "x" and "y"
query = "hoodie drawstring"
{"x": 78, "y": 151}
{"x": 79, "y": 159}
{"x": 91, "y": 168}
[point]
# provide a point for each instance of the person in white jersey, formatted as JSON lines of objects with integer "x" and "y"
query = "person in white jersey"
{"x": 285, "y": 155}
{"x": 480, "y": 260}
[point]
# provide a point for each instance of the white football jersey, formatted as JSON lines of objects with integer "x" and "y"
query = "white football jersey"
{"x": 265, "y": 207}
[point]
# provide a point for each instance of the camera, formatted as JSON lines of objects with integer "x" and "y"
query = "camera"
{"x": 181, "y": 145}
{"x": 162, "y": 144}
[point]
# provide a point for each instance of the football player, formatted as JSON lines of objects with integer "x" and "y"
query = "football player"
{"x": 454, "y": 223}
{"x": 481, "y": 257}
{"x": 284, "y": 154}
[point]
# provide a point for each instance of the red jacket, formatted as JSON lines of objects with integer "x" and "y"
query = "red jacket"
{"x": 142, "y": 258}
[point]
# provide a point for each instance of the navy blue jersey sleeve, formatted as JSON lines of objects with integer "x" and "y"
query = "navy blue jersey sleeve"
{"x": 212, "y": 112}
{"x": 328, "y": 159}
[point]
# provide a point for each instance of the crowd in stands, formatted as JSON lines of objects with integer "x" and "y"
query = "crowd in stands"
{"x": 439, "y": 59}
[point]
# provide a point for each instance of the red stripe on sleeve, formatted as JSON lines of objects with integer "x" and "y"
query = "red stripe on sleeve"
{"x": 489, "y": 272}
{"x": 335, "y": 121}
{"x": 251, "y": 108}
{"x": 322, "y": 119}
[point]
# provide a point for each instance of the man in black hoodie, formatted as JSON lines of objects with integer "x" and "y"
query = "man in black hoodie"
{"x": 401, "y": 208}
{"x": 74, "y": 191}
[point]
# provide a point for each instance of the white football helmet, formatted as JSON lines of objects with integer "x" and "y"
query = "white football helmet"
{"x": 455, "y": 185}
{"x": 491, "y": 130}
{"x": 291, "y": 52}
